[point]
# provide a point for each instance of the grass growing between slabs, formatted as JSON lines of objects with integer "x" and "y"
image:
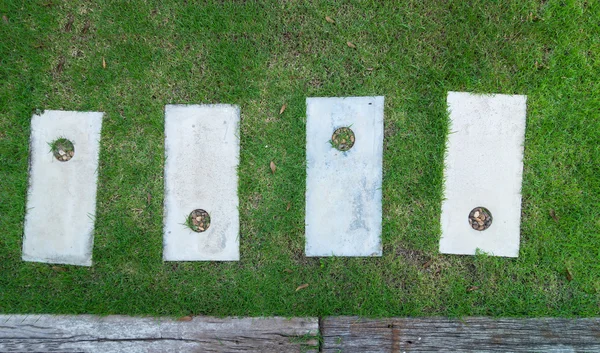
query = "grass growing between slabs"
{"x": 62, "y": 149}
{"x": 130, "y": 59}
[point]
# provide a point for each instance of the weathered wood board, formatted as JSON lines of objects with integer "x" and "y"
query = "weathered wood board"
{"x": 86, "y": 333}
{"x": 352, "y": 334}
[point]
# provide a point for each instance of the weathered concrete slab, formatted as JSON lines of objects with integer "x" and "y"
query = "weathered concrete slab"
{"x": 479, "y": 334}
{"x": 91, "y": 334}
{"x": 483, "y": 168}
{"x": 202, "y": 155}
{"x": 343, "y": 189}
{"x": 61, "y": 200}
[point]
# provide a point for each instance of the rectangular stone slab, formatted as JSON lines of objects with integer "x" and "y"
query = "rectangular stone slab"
{"x": 483, "y": 168}
{"x": 202, "y": 154}
{"x": 61, "y": 200}
{"x": 343, "y": 189}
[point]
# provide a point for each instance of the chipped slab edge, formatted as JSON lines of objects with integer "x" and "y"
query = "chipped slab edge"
{"x": 39, "y": 159}
{"x": 231, "y": 234}
{"x": 338, "y": 112}
{"x": 509, "y": 114}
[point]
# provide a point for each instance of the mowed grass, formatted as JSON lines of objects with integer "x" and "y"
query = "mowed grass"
{"x": 261, "y": 55}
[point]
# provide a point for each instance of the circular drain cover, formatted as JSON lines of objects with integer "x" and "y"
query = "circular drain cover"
{"x": 63, "y": 149}
{"x": 343, "y": 139}
{"x": 480, "y": 218}
{"x": 199, "y": 220}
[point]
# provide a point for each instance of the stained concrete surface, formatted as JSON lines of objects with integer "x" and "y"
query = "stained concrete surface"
{"x": 61, "y": 200}
{"x": 343, "y": 189}
{"x": 202, "y": 156}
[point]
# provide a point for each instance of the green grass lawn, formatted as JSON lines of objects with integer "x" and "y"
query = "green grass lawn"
{"x": 261, "y": 56}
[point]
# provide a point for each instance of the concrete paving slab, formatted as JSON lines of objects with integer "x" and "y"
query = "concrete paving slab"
{"x": 202, "y": 156}
{"x": 61, "y": 200}
{"x": 343, "y": 189}
{"x": 483, "y": 168}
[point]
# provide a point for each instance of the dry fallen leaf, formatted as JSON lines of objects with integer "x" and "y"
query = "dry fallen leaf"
{"x": 289, "y": 205}
{"x": 329, "y": 19}
{"x": 69, "y": 24}
{"x": 553, "y": 215}
{"x": 273, "y": 167}
{"x": 369, "y": 69}
{"x": 103, "y": 63}
{"x": 58, "y": 269}
{"x": 185, "y": 318}
{"x": 569, "y": 275}
{"x": 149, "y": 198}
{"x": 287, "y": 270}
{"x": 4, "y": 19}
{"x": 61, "y": 65}
{"x": 86, "y": 27}
{"x": 351, "y": 45}
{"x": 282, "y": 109}
{"x": 472, "y": 288}
{"x": 428, "y": 263}
{"x": 302, "y": 287}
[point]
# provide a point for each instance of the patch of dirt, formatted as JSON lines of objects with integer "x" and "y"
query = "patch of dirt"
{"x": 255, "y": 200}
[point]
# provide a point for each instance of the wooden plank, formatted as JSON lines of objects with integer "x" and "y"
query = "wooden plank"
{"x": 352, "y": 334}
{"x": 86, "y": 333}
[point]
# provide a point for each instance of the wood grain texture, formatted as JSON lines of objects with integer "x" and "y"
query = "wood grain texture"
{"x": 86, "y": 333}
{"x": 352, "y": 334}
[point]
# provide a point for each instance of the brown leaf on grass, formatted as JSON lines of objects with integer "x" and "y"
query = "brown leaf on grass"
{"x": 273, "y": 167}
{"x": 553, "y": 215}
{"x": 48, "y": 4}
{"x": 302, "y": 287}
{"x": 351, "y": 45}
{"x": 86, "y": 27}
{"x": 61, "y": 65}
{"x": 103, "y": 63}
{"x": 69, "y": 24}
{"x": 58, "y": 269}
{"x": 569, "y": 275}
{"x": 4, "y": 19}
{"x": 369, "y": 69}
{"x": 289, "y": 205}
{"x": 282, "y": 109}
{"x": 185, "y": 318}
{"x": 427, "y": 264}
{"x": 287, "y": 270}
{"x": 472, "y": 288}
{"x": 329, "y": 19}
{"x": 149, "y": 197}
